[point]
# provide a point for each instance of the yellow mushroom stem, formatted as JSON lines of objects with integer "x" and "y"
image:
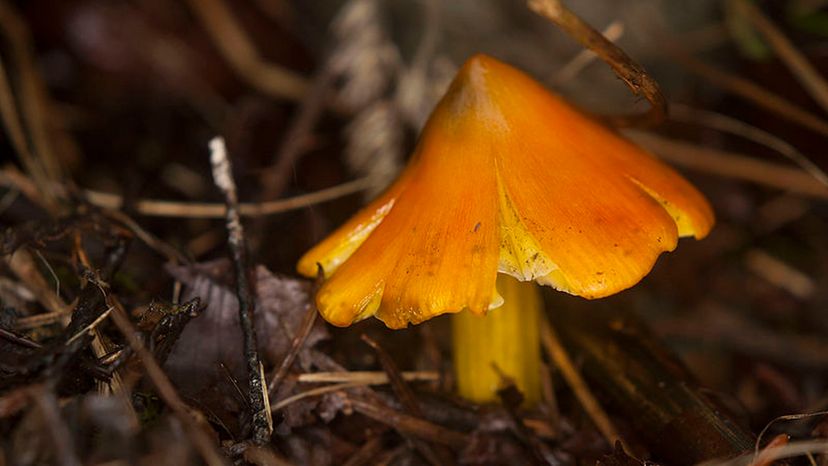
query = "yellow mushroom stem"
{"x": 504, "y": 342}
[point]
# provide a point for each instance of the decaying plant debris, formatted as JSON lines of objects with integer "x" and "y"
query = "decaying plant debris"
{"x": 123, "y": 330}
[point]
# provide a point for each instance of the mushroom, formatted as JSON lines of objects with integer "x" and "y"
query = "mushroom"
{"x": 506, "y": 178}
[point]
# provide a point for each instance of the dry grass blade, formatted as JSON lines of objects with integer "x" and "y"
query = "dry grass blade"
{"x": 25, "y": 342}
{"x": 164, "y": 208}
{"x": 401, "y": 389}
{"x": 731, "y": 125}
{"x": 238, "y": 50}
{"x": 173, "y": 255}
{"x": 731, "y": 165}
{"x": 791, "y": 450}
{"x": 33, "y": 97}
{"x": 296, "y": 344}
{"x": 807, "y": 75}
{"x": 633, "y": 75}
{"x": 780, "y": 274}
{"x": 275, "y": 178}
{"x": 14, "y": 128}
{"x": 407, "y": 398}
{"x": 748, "y": 90}
{"x": 365, "y": 377}
{"x": 318, "y": 391}
{"x": 765, "y": 457}
{"x": 576, "y": 382}
{"x": 787, "y": 417}
{"x": 23, "y": 266}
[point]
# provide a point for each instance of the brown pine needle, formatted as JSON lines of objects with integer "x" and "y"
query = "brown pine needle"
{"x": 164, "y": 208}
{"x": 238, "y": 50}
{"x": 365, "y": 377}
{"x": 731, "y": 165}
{"x": 573, "y": 378}
{"x": 802, "y": 69}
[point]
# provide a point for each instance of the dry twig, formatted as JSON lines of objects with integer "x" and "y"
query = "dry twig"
{"x": 633, "y": 75}
{"x": 573, "y": 67}
{"x": 257, "y": 390}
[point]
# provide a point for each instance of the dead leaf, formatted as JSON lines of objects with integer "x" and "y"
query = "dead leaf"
{"x": 206, "y": 362}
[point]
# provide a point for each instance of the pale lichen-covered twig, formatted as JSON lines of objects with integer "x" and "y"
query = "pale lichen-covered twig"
{"x": 257, "y": 392}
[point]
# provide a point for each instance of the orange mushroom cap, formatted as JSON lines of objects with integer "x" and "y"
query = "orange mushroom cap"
{"x": 508, "y": 178}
